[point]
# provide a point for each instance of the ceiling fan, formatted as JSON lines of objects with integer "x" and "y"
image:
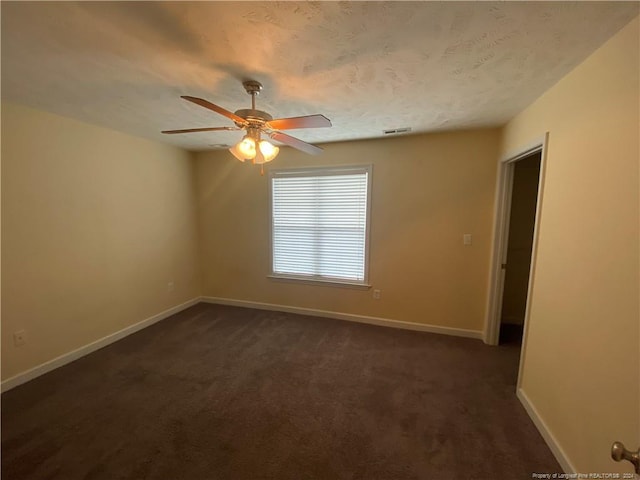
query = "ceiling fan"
{"x": 257, "y": 123}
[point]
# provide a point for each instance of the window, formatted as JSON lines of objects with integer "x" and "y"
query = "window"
{"x": 320, "y": 224}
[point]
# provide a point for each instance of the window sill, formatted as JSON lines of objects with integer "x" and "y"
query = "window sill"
{"x": 324, "y": 283}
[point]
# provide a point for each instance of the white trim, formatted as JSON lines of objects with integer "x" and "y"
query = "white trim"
{"x": 320, "y": 170}
{"x": 544, "y": 430}
{"x": 318, "y": 281}
{"x": 534, "y": 255}
{"x": 496, "y": 274}
{"x": 384, "y": 322}
{"x": 69, "y": 357}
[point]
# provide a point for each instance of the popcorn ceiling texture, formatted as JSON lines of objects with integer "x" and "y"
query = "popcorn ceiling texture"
{"x": 368, "y": 66}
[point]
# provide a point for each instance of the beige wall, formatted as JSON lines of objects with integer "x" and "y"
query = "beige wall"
{"x": 95, "y": 223}
{"x": 581, "y": 367}
{"x": 427, "y": 191}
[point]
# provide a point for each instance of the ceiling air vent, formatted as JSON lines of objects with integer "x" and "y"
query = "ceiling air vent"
{"x": 395, "y": 131}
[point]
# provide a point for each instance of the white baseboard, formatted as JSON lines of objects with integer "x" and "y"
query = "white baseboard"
{"x": 385, "y": 322}
{"x": 548, "y": 437}
{"x": 46, "y": 367}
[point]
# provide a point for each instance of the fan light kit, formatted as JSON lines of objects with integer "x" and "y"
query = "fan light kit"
{"x": 257, "y": 123}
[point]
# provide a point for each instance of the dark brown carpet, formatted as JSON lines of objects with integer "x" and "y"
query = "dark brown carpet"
{"x": 221, "y": 392}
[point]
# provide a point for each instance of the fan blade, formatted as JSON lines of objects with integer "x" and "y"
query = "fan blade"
{"x": 310, "y": 121}
{"x": 215, "y": 108}
{"x": 296, "y": 143}
{"x": 192, "y": 130}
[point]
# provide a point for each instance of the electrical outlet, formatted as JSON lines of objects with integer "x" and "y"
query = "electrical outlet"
{"x": 376, "y": 294}
{"x": 170, "y": 286}
{"x": 19, "y": 338}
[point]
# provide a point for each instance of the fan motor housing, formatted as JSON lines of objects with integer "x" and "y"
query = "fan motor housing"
{"x": 254, "y": 117}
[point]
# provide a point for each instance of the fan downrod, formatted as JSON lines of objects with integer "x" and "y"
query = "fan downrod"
{"x": 256, "y": 118}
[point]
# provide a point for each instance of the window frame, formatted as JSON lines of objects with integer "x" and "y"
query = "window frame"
{"x": 323, "y": 171}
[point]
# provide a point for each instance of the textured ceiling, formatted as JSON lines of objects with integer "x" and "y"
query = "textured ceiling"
{"x": 368, "y": 66}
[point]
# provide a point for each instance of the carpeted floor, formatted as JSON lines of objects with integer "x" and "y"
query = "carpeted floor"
{"x": 221, "y": 392}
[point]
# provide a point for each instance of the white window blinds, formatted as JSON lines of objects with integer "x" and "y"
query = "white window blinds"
{"x": 319, "y": 223}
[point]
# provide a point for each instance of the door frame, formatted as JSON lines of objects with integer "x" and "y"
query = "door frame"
{"x": 502, "y": 211}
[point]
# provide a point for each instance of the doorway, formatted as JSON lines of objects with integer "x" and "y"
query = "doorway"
{"x": 522, "y": 268}
{"x": 522, "y": 215}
